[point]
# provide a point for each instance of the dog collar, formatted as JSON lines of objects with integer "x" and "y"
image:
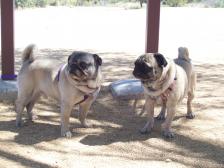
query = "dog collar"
{"x": 84, "y": 99}
{"x": 94, "y": 94}
{"x": 167, "y": 92}
{"x": 59, "y": 72}
{"x": 86, "y": 96}
{"x": 164, "y": 96}
{"x": 157, "y": 88}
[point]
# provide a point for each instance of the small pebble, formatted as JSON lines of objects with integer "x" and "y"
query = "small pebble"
{"x": 168, "y": 160}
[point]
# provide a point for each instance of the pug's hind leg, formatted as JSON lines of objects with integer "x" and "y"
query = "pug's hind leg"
{"x": 19, "y": 110}
{"x": 191, "y": 93}
{"x": 190, "y": 114}
{"x": 23, "y": 98}
{"x": 29, "y": 108}
{"x": 83, "y": 111}
{"x": 149, "y": 107}
{"x": 162, "y": 113}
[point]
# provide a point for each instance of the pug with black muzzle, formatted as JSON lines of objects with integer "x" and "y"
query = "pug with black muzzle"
{"x": 75, "y": 83}
{"x": 166, "y": 82}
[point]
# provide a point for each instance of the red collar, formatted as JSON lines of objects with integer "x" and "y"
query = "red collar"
{"x": 58, "y": 77}
{"x": 84, "y": 99}
{"x": 166, "y": 93}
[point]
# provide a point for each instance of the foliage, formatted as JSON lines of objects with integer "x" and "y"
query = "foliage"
{"x": 25, "y": 3}
{"x": 219, "y": 4}
{"x": 43, "y": 3}
{"x": 174, "y": 3}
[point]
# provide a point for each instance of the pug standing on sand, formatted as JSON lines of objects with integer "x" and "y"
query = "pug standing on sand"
{"x": 75, "y": 83}
{"x": 168, "y": 82}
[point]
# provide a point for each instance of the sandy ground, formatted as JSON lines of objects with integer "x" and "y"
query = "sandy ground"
{"x": 115, "y": 141}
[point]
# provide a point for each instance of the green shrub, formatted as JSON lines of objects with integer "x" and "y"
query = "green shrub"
{"x": 25, "y": 3}
{"x": 174, "y": 3}
{"x": 68, "y": 2}
{"x": 219, "y": 4}
{"x": 190, "y": 1}
{"x": 41, "y": 3}
{"x": 32, "y": 3}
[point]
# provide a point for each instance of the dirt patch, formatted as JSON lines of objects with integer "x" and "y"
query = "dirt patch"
{"x": 114, "y": 140}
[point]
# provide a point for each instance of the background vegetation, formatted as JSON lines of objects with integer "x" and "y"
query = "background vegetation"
{"x": 172, "y": 3}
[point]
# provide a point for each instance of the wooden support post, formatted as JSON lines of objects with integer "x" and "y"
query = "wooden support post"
{"x": 7, "y": 39}
{"x": 152, "y": 26}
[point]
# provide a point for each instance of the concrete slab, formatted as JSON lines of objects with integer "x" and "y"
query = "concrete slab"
{"x": 8, "y": 90}
{"x": 127, "y": 89}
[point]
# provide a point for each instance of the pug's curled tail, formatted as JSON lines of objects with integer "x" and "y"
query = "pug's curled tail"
{"x": 29, "y": 53}
{"x": 183, "y": 53}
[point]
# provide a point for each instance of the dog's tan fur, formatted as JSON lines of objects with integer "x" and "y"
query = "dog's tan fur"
{"x": 180, "y": 73}
{"x": 38, "y": 76}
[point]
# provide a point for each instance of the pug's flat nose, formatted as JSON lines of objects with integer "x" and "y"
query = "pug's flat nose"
{"x": 83, "y": 65}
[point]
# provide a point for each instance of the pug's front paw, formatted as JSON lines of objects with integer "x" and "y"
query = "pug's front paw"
{"x": 19, "y": 123}
{"x": 190, "y": 116}
{"x": 161, "y": 116}
{"x": 147, "y": 128}
{"x": 86, "y": 125}
{"x": 66, "y": 134}
{"x": 168, "y": 134}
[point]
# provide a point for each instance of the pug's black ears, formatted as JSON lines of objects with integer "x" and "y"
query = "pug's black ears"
{"x": 97, "y": 59}
{"x": 69, "y": 57}
{"x": 160, "y": 59}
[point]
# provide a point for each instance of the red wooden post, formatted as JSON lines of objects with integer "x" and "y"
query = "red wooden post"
{"x": 7, "y": 41}
{"x": 152, "y": 26}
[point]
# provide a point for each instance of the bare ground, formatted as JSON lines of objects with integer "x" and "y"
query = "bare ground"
{"x": 115, "y": 141}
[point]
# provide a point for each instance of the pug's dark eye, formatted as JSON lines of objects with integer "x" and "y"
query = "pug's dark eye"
{"x": 83, "y": 65}
{"x": 73, "y": 63}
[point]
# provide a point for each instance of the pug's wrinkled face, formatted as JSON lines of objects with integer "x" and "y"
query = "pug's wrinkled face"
{"x": 149, "y": 67}
{"x": 83, "y": 66}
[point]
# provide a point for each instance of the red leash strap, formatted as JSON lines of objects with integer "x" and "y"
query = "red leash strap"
{"x": 58, "y": 77}
{"x": 167, "y": 92}
{"x": 84, "y": 99}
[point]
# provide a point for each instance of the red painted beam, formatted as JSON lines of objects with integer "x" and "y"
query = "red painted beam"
{"x": 152, "y": 26}
{"x": 7, "y": 40}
